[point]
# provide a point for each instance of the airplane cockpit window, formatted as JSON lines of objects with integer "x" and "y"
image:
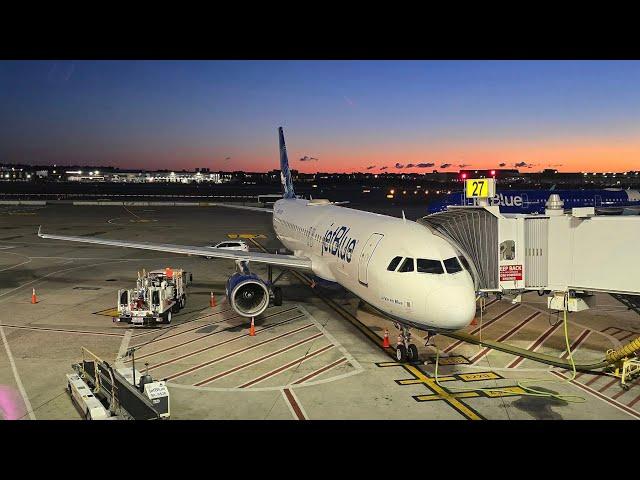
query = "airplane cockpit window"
{"x": 452, "y": 265}
{"x": 429, "y": 266}
{"x": 464, "y": 263}
{"x": 393, "y": 264}
{"x": 407, "y": 265}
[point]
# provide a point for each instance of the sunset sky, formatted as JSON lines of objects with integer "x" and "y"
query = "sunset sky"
{"x": 338, "y": 116}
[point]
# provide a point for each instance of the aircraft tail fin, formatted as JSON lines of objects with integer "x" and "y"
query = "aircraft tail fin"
{"x": 285, "y": 174}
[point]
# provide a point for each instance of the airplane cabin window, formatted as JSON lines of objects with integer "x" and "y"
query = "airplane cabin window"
{"x": 394, "y": 263}
{"x": 407, "y": 265}
{"x": 452, "y": 265}
{"x": 430, "y": 266}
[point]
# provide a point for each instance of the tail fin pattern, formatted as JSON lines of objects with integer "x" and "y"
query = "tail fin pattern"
{"x": 285, "y": 174}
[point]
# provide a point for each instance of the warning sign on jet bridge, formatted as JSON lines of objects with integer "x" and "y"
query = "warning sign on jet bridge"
{"x": 510, "y": 272}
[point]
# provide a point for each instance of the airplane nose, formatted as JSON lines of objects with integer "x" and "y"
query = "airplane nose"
{"x": 452, "y": 307}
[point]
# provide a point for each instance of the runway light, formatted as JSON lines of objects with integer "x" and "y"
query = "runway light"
{"x": 404, "y": 192}
{"x": 415, "y": 192}
{"x": 392, "y": 191}
{"x": 389, "y": 196}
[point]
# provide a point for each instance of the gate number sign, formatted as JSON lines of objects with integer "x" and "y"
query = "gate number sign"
{"x": 479, "y": 187}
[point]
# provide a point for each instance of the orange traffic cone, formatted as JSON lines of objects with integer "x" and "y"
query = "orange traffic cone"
{"x": 474, "y": 322}
{"x": 212, "y": 302}
{"x": 385, "y": 342}
{"x": 33, "y": 296}
{"x": 252, "y": 329}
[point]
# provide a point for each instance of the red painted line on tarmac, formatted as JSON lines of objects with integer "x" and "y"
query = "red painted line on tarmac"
{"x": 227, "y": 355}
{"x": 253, "y": 362}
{"x": 601, "y": 390}
{"x": 594, "y": 379}
{"x": 178, "y": 345}
{"x": 623, "y": 391}
{"x": 61, "y": 330}
{"x": 484, "y": 325}
{"x": 535, "y": 345}
{"x": 286, "y": 366}
{"x": 320, "y": 370}
{"x": 576, "y": 343}
{"x": 183, "y": 323}
{"x": 185, "y": 331}
{"x": 631, "y": 404}
{"x": 629, "y": 335}
{"x": 294, "y": 405}
{"x": 610, "y": 401}
{"x": 612, "y": 328}
{"x": 488, "y": 304}
{"x": 504, "y": 337}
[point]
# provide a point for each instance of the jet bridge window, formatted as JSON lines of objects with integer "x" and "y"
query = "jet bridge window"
{"x": 452, "y": 265}
{"x": 430, "y": 266}
{"x": 407, "y": 265}
{"x": 393, "y": 264}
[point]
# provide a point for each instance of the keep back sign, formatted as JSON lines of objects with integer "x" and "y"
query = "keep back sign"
{"x": 510, "y": 272}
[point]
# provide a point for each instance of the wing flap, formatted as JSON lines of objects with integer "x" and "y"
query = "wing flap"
{"x": 290, "y": 261}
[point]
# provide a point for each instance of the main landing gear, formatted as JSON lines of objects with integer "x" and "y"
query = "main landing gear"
{"x": 405, "y": 350}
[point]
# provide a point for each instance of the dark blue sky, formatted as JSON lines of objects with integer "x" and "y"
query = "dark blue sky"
{"x": 348, "y": 114}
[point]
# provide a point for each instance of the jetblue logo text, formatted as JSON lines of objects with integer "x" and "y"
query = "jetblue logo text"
{"x": 507, "y": 200}
{"x": 337, "y": 242}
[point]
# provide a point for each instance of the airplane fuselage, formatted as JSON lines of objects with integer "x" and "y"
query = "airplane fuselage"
{"x": 355, "y": 249}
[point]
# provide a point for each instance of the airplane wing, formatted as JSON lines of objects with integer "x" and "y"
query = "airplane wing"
{"x": 243, "y": 207}
{"x": 289, "y": 261}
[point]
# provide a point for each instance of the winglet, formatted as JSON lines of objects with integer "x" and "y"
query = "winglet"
{"x": 39, "y": 230}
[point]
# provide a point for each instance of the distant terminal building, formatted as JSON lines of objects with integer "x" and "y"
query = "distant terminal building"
{"x": 501, "y": 174}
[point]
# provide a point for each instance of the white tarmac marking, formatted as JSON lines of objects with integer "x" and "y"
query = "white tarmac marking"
{"x": 27, "y": 403}
{"x": 4, "y": 338}
{"x": 357, "y": 368}
{"x": 616, "y": 343}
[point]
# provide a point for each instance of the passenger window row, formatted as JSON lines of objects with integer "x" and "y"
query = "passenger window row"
{"x": 424, "y": 265}
{"x": 305, "y": 230}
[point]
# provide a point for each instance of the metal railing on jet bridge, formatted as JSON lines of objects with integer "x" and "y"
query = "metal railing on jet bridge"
{"x": 474, "y": 232}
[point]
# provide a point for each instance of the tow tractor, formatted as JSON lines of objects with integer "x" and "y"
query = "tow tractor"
{"x": 158, "y": 294}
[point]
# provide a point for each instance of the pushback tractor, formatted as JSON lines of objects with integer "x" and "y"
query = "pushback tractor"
{"x": 158, "y": 295}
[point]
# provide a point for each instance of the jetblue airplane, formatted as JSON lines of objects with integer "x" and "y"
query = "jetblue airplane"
{"x": 606, "y": 201}
{"x": 395, "y": 265}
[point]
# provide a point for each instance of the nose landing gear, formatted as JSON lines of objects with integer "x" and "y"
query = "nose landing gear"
{"x": 405, "y": 350}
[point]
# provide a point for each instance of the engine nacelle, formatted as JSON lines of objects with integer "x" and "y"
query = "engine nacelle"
{"x": 248, "y": 294}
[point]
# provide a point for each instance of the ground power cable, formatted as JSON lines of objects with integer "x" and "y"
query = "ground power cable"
{"x": 523, "y": 384}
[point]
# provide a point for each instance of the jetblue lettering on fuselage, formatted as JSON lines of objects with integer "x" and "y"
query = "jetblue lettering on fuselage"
{"x": 337, "y": 242}
{"x": 507, "y": 200}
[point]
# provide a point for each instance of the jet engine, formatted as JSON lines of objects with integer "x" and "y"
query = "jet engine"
{"x": 248, "y": 294}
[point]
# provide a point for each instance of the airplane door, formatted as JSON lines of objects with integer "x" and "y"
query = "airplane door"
{"x": 525, "y": 201}
{"x": 365, "y": 256}
{"x": 597, "y": 201}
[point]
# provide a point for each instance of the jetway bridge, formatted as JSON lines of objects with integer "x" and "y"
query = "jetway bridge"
{"x": 558, "y": 253}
